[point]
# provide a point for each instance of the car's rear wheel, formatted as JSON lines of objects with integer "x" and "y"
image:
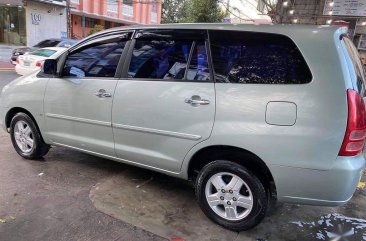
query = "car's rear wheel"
{"x": 231, "y": 195}
{"x": 26, "y": 137}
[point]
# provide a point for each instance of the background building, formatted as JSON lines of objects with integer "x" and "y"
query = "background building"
{"x": 28, "y": 22}
{"x": 246, "y": 11}
{"x": 85, "y": 14}
{"x": 350, "y": 13}
{"x": 45, "y": 19}
{"x": 12, "y": 22}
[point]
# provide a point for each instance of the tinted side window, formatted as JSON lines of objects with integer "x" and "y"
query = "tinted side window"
{"x": 96, "y": 60}
{"x": 257, "y": 58}
{"x": 159, "y": 59}
{"x": 164, "y": 55}
{"x": 357, "y": 65}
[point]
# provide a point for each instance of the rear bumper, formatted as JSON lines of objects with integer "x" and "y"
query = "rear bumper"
{"x": 332, "y": 187}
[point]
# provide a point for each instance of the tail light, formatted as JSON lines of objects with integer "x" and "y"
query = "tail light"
{"x": 39, "y": 64}
{"x": 354, "y": 138}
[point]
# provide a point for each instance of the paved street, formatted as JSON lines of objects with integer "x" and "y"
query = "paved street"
{"x": 75, "y": 196}
{"x": 56, "y": 205}
{"x": 5, "y": 53}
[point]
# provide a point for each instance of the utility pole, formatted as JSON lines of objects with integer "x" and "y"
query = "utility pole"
{"x": 68, "y": 16}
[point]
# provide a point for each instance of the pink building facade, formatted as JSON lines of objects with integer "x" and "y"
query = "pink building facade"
{"x": 85, "y": 14}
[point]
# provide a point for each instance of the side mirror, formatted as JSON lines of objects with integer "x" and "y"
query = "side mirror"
{"x": 50, "y": 67}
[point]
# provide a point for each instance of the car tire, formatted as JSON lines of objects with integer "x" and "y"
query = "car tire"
{"x": 26, "y": 138}
{"x": 237, "y": 203}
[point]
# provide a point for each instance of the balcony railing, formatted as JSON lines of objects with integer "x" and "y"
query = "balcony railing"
{"x": 127, "y": 10}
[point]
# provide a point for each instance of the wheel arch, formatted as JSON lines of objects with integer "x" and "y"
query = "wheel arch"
{"x": 247, "y": 159}
{"x": 15, "y": 110}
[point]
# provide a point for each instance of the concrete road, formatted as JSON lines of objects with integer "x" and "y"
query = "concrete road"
{"x": 49, "y": 200}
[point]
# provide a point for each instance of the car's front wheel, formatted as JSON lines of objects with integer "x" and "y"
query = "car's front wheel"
{"x": 231, "y": 195}
{"x": 26, "y": 137}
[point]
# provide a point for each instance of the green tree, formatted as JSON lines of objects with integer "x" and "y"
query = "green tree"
{"x": 97, "y": 28}
{"x": 173, "y": 11}
{"x": 202, "y": 11}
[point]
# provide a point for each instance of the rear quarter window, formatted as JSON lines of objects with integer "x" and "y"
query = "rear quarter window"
{"x": 257, "y": 58}
{"x": 357, "y": 68}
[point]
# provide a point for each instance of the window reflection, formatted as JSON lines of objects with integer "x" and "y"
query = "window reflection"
{"x": 97, "y": 60}
{"x": 240, "y": 57}
{"x": 159, "y": 59}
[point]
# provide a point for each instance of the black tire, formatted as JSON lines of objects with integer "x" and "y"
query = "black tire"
{"x": 39, "y": 148}
{"x": 259, "y": 195}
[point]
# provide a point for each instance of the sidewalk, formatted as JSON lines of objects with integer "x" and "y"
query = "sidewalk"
{"x": 6, "y": 66}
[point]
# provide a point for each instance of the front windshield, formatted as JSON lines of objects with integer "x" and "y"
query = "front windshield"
{"x": 43, "y": 52}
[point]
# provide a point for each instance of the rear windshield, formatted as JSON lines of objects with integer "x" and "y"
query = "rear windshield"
{"x": 47, "y": 43}
{"x": 357, "y": 65}
{"x": 67, "y": 43}
{"x": 43, "y": 52}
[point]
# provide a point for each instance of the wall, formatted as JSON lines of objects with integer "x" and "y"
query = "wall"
{"x": 52, "y": 24}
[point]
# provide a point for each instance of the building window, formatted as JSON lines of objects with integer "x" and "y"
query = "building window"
{"x": 107, "y": 24}
{"x": 112, "y": 6}
{"x": 75, "y": 1}
{"x": 90, "y": 22}
{"x": 154, "y": 11}
{"x": 127, "y": 8}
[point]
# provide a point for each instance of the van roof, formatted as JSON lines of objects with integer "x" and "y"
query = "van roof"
{"x": 287, "y": 29}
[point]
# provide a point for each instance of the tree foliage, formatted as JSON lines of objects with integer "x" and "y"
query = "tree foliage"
{"x": 203, "y": 11}
{"x": 97, "y": 28}
{"x": 192, "y": 11}
{"x": 173, "y": 11}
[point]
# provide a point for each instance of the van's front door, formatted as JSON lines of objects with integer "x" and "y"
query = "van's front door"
{"x": 78, "y": 106}
{"x": 163, "y": 108}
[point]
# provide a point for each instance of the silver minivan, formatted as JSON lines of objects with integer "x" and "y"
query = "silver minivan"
{"x": 249, "y": 113}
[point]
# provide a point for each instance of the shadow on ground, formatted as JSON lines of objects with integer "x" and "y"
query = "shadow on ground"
{"x": 166, "y": 206}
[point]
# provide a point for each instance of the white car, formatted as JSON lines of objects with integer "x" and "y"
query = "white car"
{"x": 33, "y": 61}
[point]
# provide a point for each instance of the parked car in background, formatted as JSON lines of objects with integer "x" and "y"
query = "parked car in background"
{"x": 33, "y": 61}
{"x": 249, "y": 113}
{"x": 65, "y": 43}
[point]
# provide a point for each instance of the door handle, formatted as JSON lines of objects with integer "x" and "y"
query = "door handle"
{"x": 196, "y": 100}
{"x": 102, "y": 93}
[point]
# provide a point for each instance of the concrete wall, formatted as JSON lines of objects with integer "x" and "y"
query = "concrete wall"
{"x": 52, "y": 22}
